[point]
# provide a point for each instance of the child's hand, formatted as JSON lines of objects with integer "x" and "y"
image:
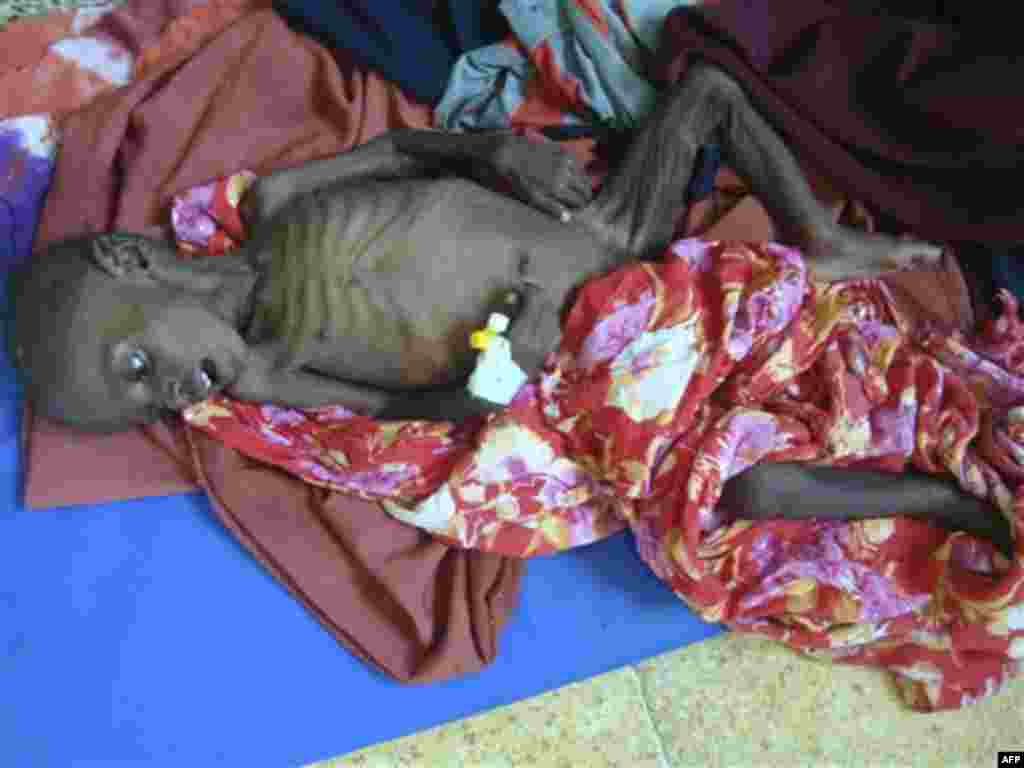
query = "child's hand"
{"x": 541, "y": 173}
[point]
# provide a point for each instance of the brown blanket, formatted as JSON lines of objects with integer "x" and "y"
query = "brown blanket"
{"x": 918, "y": 118}
{"x": 261, "y": 97}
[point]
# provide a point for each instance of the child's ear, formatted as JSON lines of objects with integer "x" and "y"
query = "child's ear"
{"x": 127, "y": 257}
{"x": 139, "y": 260}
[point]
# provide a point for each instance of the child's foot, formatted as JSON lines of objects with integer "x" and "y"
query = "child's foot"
{"x": 850, "y": 254}
{"x": 982, "y": 520}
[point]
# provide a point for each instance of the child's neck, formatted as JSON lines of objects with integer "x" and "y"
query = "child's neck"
{"x": 235, "y": 288}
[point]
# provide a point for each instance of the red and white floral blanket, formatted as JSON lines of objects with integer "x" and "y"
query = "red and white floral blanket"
{"x": 670, "y": 379}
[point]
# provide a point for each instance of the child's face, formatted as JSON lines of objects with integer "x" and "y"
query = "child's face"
{"x": 128, "y": 353}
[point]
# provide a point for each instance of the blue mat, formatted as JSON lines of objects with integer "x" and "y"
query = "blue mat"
{"x": 142, "y": 633}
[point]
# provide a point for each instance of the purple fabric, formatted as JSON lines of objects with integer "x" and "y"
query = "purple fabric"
{"x": 27, "y": 151}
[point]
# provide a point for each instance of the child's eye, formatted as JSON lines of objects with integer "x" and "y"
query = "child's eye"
{"x": 137, "y": 365}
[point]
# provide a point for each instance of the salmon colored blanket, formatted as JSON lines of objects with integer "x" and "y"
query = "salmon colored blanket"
{"x": 670, "y": 379}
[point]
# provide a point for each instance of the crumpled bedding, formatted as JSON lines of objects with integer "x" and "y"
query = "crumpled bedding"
{"x": 51, "y": 65}
{"x": 670, "y": 379}
{"x": 59, "y": 62}
{"x": 566, "y": 62}
{"x": 411, "y": 43}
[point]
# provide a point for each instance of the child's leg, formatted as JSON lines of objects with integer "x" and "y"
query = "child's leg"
{"x": 798, "y": 491}
{"x": 635, "y": 211}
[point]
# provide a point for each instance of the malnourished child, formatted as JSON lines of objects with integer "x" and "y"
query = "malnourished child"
{"x": 366, "y": 273}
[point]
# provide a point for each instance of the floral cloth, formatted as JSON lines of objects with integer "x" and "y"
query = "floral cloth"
{"x": 206, "y": 219}
{"x": 672, "y": 378}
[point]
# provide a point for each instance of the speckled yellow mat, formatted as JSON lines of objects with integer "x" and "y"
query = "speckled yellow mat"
{"x": 729, "y": 702}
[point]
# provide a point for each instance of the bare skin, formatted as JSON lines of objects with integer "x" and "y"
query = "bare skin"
{"x": 802, "y": 492}
{"x": 366, "y": 272}
{"x": 634, "y": 211}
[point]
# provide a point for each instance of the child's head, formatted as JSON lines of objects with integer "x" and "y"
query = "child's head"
{"x": 103, "y": 343}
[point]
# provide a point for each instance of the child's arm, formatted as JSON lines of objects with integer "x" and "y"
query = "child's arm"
{"x": 542, "y": 174}
{"x": 264, "y": 381}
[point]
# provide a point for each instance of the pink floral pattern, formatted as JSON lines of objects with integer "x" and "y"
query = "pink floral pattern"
{"x": 673, "y": 377}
